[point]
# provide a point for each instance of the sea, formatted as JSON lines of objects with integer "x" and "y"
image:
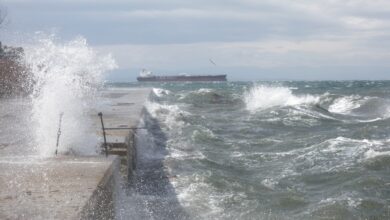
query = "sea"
{"x": 223, "y": 150}
{"x": 273, "y": 150}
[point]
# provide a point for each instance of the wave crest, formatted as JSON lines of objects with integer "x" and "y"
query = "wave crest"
{"x": 345, "y": 105}
{"x": 263, "y": 97}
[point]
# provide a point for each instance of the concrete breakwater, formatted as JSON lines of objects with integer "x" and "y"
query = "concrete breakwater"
{"x": 74, "y": 186}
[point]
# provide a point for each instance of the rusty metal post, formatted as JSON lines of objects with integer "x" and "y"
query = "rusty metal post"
{"x": 59, "y": 132}
{"x": 100, "y": 114}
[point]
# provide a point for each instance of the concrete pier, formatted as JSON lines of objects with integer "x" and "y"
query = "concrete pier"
{"x": 122, "y": 112}
{"x": 73, "y": 187}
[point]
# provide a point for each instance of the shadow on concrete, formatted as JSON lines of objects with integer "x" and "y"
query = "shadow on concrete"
{"x": 151, "y": 184}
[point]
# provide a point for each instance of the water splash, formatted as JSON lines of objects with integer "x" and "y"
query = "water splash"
{"x": 346, "y": 104}
{"x": 65, "y": 78}
{"x": 263, "y": 97}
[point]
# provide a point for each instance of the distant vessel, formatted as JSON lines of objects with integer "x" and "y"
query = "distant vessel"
{"x": 147, "y": 76}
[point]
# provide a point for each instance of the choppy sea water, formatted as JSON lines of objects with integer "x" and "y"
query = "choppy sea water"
{"x": 275, "y": 150}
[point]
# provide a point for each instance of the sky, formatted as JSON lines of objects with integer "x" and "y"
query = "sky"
{"x": 247, "y": 39}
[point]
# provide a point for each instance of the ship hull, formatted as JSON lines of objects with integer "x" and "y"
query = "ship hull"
{"x": 182, "y": 78}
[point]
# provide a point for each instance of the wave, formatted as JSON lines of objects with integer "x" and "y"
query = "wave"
{"x": 339, "y": 154}
{"x": 204, "y": 91}
{"x": 372, "y": 154}
{"x": 66, "y": 78}
{"x": 366, "y": 109}
{"x": 209, "y": 96}
{"x": 160, "y": 92}
{"x": 347, "y": 108}
{"x": 171, "y": 115}
{"x": 335, "y": 154}
{"x": 346, "y": 104}
{"x": 263, "y": 97}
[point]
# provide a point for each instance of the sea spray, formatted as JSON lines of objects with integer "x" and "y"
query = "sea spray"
{"x": 263, "y": 97}
{"x": 345, "y": 104}
{"x": 65, "y": 78}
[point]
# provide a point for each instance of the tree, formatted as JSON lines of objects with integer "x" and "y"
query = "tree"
{"x": 3, "y": 16}
{"x": 12, "y": 73}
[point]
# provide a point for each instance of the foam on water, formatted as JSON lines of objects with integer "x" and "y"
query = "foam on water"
{"x": 373, "y": 154}
{"x": 263, "y": 97}
{"x": 364, "y": 109}
{"x": 345, "y": 105}
{"x": 160, "y": 92}
{"x": 65, "y": 77}
{"x": 203, "y": 91}
{"x": 170, "y": 113}
{"x": 269, "y": 183}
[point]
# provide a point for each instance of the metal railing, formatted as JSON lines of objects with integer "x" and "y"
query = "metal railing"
{"x": 100, "y": 114}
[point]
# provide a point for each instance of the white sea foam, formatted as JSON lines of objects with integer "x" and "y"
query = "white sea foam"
{"x": 171, "y": 115}
{"x": 269, "y": 183}
{"x": 371, "y": 153}
{"x": 345, "y": 105}
{"x": 263, "y": 97}
{"x": 350, "y": 199}
{"x": 202, "y": 133}
{"x": 204, "y": 90}
{"x": 160, "y": 92}
{"x": 192, "y": 191}
{"x": 339, "y": 154}
{"x": 178, "y": 154}
{"x": 65, "y": 78}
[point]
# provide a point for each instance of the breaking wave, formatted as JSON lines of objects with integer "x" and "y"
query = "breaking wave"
{"x": 370, "y": 109}
{"x": 263, "y": 97}
{"x": 346, "y": 104}
{"x": 171, "y": 115}
{"x": 65, "y": 78}
{"x": 160, "y": 92}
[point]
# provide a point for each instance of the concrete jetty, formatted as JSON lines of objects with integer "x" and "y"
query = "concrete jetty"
{"x": 73, "y": 187}
{"x": 122, "y": 111}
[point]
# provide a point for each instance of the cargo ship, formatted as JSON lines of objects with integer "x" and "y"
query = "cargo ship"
{"x": 147, "y": 76}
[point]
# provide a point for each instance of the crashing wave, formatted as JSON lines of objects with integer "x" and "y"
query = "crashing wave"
{"x": 345, "y": 105}
{"x": 263, "y": 97}
{"x": 160, "y": 92}
{"x": 66, "y": 80}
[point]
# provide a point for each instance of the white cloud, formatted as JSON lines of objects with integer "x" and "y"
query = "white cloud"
{"x": 260, "y": 54}
{"x": 180, "y": 13}
{"x": 364, "y": 23}
{"x": 236, "y": 33}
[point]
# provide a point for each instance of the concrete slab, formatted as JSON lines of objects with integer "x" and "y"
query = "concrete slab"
{"x": 121, "y": 109}
{"x": 57, "y": 188}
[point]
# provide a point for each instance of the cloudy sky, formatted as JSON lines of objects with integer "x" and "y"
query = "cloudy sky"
{"x": 247, "y": 39}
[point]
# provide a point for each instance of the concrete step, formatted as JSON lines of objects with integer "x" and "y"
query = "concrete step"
{"x": 118, "y": 145}
{"x": 118, "y": 151}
